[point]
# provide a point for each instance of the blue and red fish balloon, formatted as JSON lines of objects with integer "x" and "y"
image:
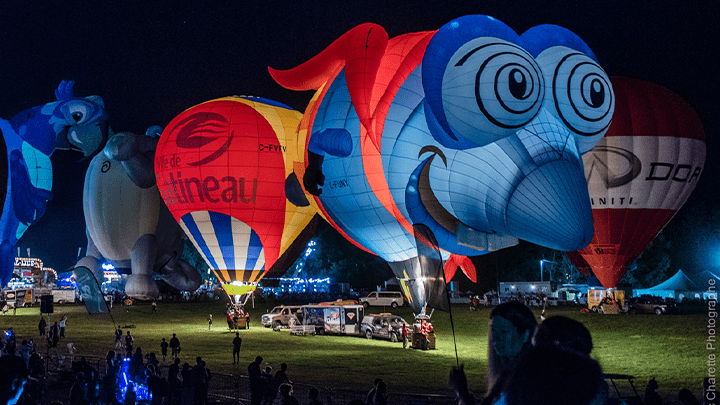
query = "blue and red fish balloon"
{"x": 472, "y": 134}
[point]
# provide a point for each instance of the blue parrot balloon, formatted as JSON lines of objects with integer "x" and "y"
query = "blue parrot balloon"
{"x": 29, "y": 139}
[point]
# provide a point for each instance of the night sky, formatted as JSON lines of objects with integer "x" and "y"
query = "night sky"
{"x": 150, "y": 60}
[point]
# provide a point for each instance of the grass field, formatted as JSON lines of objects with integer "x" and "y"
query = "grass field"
{"x": 670, "y": 348}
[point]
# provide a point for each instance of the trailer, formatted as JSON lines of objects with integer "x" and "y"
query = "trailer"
{"x": 60, "y": 295}
{"x": 63, "y": 295}
{"x": 15, "y": 298}
{"x": 333, "y": 319}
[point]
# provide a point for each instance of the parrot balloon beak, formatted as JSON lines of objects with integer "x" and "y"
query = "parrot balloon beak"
{"x": 551, "y": 207}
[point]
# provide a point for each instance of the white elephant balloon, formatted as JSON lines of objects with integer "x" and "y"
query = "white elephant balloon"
{"x": 128, "y": 224}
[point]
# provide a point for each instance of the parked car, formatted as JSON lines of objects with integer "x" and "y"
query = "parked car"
{"x": 383, "y": 299}
{"x": 385, "y": 326}
{"x": 649, "y": 305}
{"x": 282, "y": 316}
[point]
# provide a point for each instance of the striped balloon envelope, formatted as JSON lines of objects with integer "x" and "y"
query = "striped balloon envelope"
{"x": 639, "y": 175}
{"x": 224, "y": 169}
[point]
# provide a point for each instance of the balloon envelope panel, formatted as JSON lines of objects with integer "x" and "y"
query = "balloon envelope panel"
{"x": 639, "y": 175}
{"x": 221, "y": 168}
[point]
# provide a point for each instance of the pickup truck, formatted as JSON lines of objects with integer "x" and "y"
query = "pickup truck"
{"x": 283, "y": 316}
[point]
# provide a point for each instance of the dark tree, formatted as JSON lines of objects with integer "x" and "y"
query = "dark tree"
{"x": 194, "y": 258}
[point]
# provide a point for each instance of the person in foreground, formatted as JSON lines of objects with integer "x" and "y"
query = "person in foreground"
{"x": 512, "y": 325}
{"x": 544, "y": 375}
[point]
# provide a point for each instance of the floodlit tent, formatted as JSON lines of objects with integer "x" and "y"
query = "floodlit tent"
{"x": 678, "y": 286}
{"x": 705, "y": 280}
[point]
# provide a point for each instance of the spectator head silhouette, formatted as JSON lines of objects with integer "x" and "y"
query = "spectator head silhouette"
{"x": 564, "y": 333}
{"x": 313, "y": 393}
{"x": 512, "y": 325}
{"x": 285, "y": 389}
{"x": 550, "y": 375}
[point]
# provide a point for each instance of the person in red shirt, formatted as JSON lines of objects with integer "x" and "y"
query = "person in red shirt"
{"x": 230, "y": 320}
{"x": 404, "y": 332}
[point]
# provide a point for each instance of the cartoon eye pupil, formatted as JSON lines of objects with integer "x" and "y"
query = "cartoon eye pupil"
{"x": 77, "y": 116}
{"x": 597, "y": 93}
{"x": 517, "y": 83}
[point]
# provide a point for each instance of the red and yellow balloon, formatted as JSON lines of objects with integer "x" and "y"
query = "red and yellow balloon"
{"x": 224, "y": 169}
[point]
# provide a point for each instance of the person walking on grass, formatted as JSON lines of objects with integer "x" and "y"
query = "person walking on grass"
{"x": 154, "y": 307}
{"x": 63, "y": 321}
{"x": 175, "y": 346}
{"x": 42, "y": 325}
{"x": 129, "y": 343}
{"x": 237, "y": 342}
{"x": 210, "y": 322}
{"x": 118, "y": 338}
{"x": 163, "y": 348}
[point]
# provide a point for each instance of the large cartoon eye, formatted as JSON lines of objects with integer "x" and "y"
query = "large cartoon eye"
{"x": 77, "y": 111}
{"x": 582, "y": 93}
{"x": 490, "y": 89}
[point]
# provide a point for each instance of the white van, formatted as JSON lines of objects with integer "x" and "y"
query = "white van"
{"x": 383, "y": 299}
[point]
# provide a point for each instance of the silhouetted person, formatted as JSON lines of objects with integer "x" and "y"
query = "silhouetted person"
{"x": 175, "y": 346}
{"x": 685, "y": 397}
{"x": 54, "y": 334}
{"x": 314, "y": 396}
{"x": 118, "y": 338}
{"x": 173, "y": 380}
{"x": 512, "y": 324}
{"x": 200, "y": 380}
{"x": 380, "y": 397}
{"x": 651, "y": 395}
{"x": 286, "y": 395}
{"x": 280, "y": 376}
{"x": 269, "y": 390}
{"x": 129, "y": 343}
{"x": 256, "y": 387}
{"x": 237, "y": 342}
{"x": 42, "y": 325}
{"x": 565, "y": 333}
{"x": 163, "y": 348}
{"x": 371, "y": 394}
{"x": 549, "y": 375}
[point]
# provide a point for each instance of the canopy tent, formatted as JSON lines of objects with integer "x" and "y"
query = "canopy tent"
{"x": 678, "y": 286}
{"x": 706, "y": 279}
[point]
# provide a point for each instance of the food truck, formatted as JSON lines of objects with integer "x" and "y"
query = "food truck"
{"x": 333, "y": 319}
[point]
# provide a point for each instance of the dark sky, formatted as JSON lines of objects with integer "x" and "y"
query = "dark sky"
{"x": 150, "y": 60}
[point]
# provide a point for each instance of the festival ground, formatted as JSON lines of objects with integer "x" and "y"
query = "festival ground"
{"x": 671, "y": 348}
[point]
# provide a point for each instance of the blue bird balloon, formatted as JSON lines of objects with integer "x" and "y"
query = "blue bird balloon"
{"x": 29, "y": 138}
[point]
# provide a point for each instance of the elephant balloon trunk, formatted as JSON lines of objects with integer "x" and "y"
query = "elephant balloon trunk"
{"x": 551, "y": 207}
